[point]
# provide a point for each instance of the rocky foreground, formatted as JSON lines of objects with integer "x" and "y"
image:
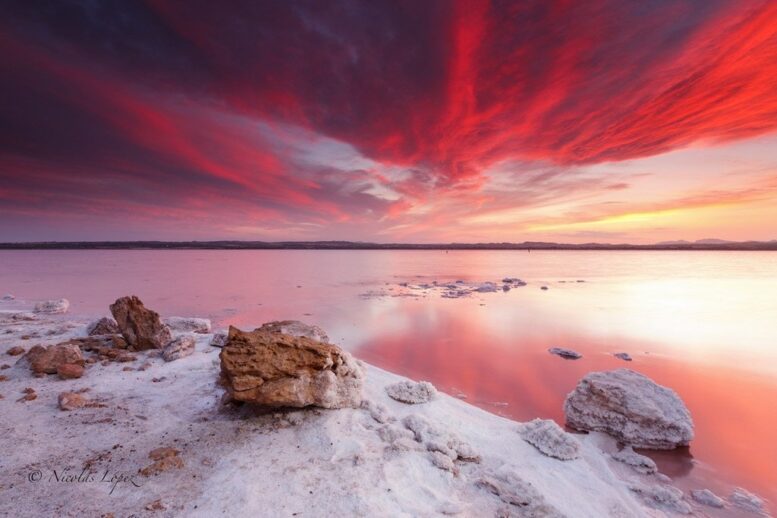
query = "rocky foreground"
{"x": 137, "y": 415}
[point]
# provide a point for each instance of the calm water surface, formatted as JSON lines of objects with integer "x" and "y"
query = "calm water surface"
{"x": 702, "y": 323}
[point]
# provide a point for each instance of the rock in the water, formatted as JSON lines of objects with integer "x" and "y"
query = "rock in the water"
{"x": 550, "y": 439}
{"x": 412, "y": 393}
{"x": 8, "y": 296}
{"x": 623, "y": 356}
{"x": 276, "y": 369}
{"x": 746, "y": 500}
{"x": 640, "y": 463}
{"x": 296, "y": 328}
{"x": 707, "y": 497}
{"x": 665, "y": 498}
{"x": 178, "y": 348}
{"x": 69, "y": 371}
{"x": 188, "y": 324}
{"x": 71, "y": 401}
{"x": 140, "y": 326}
{"x": 104, "y": 326}
{"x": 52, "y": 307}
{"x": 48, "y": 360}
{"x": 13, "y": 315}
{"x": 219, "y": 339}
{"x": 631, "y": 408}
{"x": 567, "y": 354}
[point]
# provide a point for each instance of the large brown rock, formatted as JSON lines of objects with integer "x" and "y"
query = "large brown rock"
{"x": 48, "y": 360}
{"x": 141, "y": 327}
{"x": 277, "y": 370}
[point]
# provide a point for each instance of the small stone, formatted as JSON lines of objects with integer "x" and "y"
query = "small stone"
{"x": 52, "y": 307}
{"x": 544, "y": 288}
{"x": 188, "y": 324}
{"x": 156, "y": 505}
{"x": 708, "y": 498}
{"x": 8, "y": 296}
{"x": 411, "y": 392}
{"x": 179, "y": 348}
{"x": 665, "y": 498}
{"x": 15, "y": 351}
{"x": 29, "y": 395}
{"x": 71, "y": 401}
{"x": 639, "y": 463}
{"x": 746, "y": 500}
{"x": 567, "y": 354}
{"x": 550, "y": 439}
{"x": 164, "y": 459}
{"x": 104, "y": 326}
{"x": 68, "y": 371}
{"x": 219, "y": 339}
{"x": 623, "y": 356}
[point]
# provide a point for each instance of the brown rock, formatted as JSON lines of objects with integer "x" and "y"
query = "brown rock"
{"x": 71, "y": 401}
{"x": 274, "y": 369}
{"x": 5, "y": 366}
{"x": 119, "y": 342}
{"x": 178, "y": 348}
{"x": 140, "y": 326}
{"x": 3, "y": 378}
{"x": 68, "y": 371}
{"x": 15, "y": 351}
{"x": 48, "y": 360}
{"x": 165, "y": 459}
{"x": 124, "y": 357}
{"x": 104, "y": 326}
{"x": 29, "y": 395}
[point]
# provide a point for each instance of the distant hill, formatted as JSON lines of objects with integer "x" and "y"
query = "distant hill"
{"x": 702, "y": 244}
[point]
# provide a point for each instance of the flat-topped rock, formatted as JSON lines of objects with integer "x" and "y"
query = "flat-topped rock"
{"x": 47, "y": 360}
{"x": 188, "y": 324}
{"x": 52, "y": 307}
{"x": 276, "y": 369}
{"x": 141, "y": 327}
{"x": 630, "y": 407}
{"x": 567, "y": 354}
{"x": 296, "y": 328}
{"x": 411, "y": 392}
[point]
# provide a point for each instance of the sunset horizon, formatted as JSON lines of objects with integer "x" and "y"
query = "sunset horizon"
{"x": 381, "y": 121}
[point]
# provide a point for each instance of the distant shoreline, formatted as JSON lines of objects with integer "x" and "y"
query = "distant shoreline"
{"x": 352, "y": 245}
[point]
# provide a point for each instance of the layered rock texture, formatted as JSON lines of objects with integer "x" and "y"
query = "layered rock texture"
{"x": 630, "y": 407}
{"x": 141, "y": 327}
{"x": 296, "y": 328}
{"x": 280, "y": 370}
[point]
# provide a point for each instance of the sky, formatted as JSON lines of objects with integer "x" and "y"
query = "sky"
{"x": 389, "y": 121}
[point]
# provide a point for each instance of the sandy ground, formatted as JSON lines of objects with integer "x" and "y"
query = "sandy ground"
{"x": 242, "y": 461}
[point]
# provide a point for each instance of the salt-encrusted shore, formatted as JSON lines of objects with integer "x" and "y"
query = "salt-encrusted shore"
{"x": 155, "y": 438}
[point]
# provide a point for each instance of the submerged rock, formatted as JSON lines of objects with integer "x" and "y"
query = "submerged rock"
{"x": 296, "y": 328}
{"x": 411, "y": 392}
{"x": 550, "y": 439}
{"x": 631, "y": 408}
{"x": 708, "y": 498}
{"x": 104, "y": 326}
{"x": 52, "y": 307}
{"x": 623, "y": 356}
{"x": 746, "y": 500}
{"x": 188, "y": 324}
{"x": 487, "y": 287}
{"x": 276, "y": 369}
{"x": 8, "y": 296}
{"x": 141, "y": 327}
{"x": 640, "y": 463}
{"x": 179, "y": 348}
{"x": 567, "y": 354}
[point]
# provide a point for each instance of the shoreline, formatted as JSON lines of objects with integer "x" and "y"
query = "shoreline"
{"x": 275, "y": 462}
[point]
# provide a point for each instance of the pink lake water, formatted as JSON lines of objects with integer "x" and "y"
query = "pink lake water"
{"x": 702, "y": 323}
